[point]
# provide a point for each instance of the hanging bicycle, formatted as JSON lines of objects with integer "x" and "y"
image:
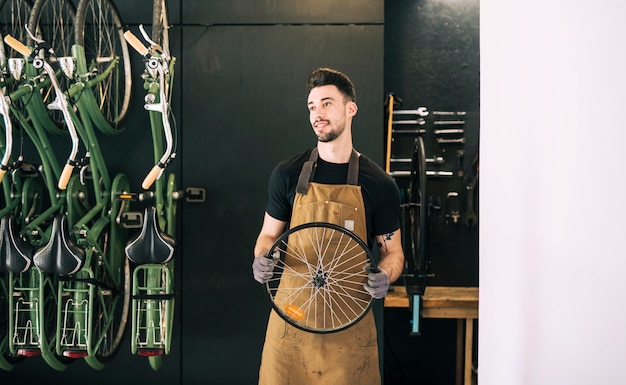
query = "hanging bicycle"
{"x": 152, "y": 249}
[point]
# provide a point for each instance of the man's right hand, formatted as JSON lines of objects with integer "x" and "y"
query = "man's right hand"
{"x": 262, "y": 268}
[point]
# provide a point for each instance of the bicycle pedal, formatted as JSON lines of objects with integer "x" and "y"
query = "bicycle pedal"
{"x": 131, "y": 219}
{"x": 126, "y": 196}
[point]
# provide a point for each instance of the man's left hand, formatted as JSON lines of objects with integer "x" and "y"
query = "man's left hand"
{"x": 377, "y": 282}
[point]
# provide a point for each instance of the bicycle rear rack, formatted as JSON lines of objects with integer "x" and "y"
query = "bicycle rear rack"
{"x": 152, "y": 305}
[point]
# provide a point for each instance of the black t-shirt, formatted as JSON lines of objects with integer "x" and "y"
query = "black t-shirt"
{"x": 380, "y": 192}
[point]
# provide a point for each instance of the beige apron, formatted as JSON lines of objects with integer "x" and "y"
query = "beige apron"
{"x": 348, "y": 357}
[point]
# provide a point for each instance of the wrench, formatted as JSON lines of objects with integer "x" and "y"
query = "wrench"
{"x": 421, "y": 111}
{"x": 448, "y": 113}
{"x": 450, "y": 141}
{"x": 470, "y": 218}
{"x": 419, "y": 121}
{"x": 450, "y": 122}
{"x": 448, "y": 131}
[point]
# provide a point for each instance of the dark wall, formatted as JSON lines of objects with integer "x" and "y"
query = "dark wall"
{"x": 432, "y": 60}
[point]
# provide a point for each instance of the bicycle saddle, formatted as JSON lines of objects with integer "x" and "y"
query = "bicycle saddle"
{"x": 16, "y": 255}
{"x": 151, "y": 245}
{"x": 60, "y": 255}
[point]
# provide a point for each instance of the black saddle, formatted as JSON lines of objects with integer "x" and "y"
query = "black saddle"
{"x": 16, "y": 255}
{"x": 151, "y": 245}
{"x": 60, "y": 255}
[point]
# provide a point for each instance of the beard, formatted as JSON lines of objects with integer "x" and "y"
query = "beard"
{"x": 331, "y": 135}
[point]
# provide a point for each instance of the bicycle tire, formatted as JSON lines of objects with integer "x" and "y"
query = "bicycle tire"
{"x": 109, "y": 313}
{"x": 318, "y": 277}
{"x": 419, "y": 226}
{"x": 99, "y": 31}
{"x": 54, "y": 22}
{"x": 14, "y": 14}
{"x": 160, "y": 35}
{"x": 160, "y": 26}
{"x": 112, "y": 271}
{"x": 7, "y": 360}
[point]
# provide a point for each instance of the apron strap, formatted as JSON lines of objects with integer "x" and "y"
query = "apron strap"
{"x": 353, "y": 169}
{"x": 309, "y": 167}
{"x": 306, "y": 173}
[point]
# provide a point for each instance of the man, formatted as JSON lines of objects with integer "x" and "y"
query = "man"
{"x": 350, "y": 356}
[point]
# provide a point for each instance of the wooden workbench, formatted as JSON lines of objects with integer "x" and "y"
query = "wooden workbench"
{"x": 460, "y": 303}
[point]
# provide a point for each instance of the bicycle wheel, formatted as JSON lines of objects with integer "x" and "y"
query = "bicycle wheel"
{"x": 160, "y": 35}
{"x": 418, "y": 211}
{"x": 318, "y": 279}
{"x": 14, "y": 15}
{"x": 7, "y": 360}
{"x": 53, "y": 21}
{"x": 99, "y": 33}
{"x": 109, "y": 308}
{"x": 112, "y": 272}
{"x": 160, "y": 26}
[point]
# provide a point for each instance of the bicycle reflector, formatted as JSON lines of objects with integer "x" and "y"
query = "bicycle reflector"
{"x": 294, "y": 312}
{"x": 28, "y": 352}
{"x": 150, "y": 352}
{"x": 75, "y": 353}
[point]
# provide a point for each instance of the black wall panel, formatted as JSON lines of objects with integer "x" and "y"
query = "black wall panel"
{"x": 245, "y": 110}
{"x": 284, "y": 12}
{"x": 432, "y": 60}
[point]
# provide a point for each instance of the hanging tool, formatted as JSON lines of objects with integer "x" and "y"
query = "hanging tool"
{"x": 459, "y": 155}
{"x": 449, "y": 113}
{"x": 391, "y": 100}
{"x": 420, "y": 111}
{"x": 450, "y": 141}
{"x": 449, "y": 131}
{"x": 452, "y": 205}
{"x": 469, "y": 217}
{"x": 449, "y": 122}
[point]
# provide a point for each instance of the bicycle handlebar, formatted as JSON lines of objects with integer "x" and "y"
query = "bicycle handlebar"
{"x": 8, "y": 126}
{"x": 17, "y": 45}
{"x": 60, "y": 103}
{"x": 155, "y": 64}
{"x": 152, "y": 176}
{"x": 136, "y": 44}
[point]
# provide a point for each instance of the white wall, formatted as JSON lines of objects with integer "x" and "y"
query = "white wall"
{"x": 552, "y": 181}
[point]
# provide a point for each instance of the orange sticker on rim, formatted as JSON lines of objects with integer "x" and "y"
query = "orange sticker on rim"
{"x": 294, "y": 312}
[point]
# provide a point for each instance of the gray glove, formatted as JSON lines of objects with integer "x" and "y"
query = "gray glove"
{"x": 262, "y": 268}
{"x": 377, "y": 282}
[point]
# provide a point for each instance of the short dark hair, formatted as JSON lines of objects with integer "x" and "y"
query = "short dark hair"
{"x": 328, "y": 76}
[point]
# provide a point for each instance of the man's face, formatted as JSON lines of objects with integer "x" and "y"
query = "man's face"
{"x": 328, "y": 111}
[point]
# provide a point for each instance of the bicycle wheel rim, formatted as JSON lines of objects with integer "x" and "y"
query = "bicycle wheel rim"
{"x": 99, "y": 31}
{"x": 110, "y": 308}
{"x": 318, "y": 279}
{"x": 160, "y": 26}
{"x": 14, "y": 16}
{"x": 418, "y": 195}
{"x": 54, "y": 21}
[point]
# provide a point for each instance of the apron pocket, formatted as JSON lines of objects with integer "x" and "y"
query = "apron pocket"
{"x": 276, "y": 328}
{"x": 340, "y": 214}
